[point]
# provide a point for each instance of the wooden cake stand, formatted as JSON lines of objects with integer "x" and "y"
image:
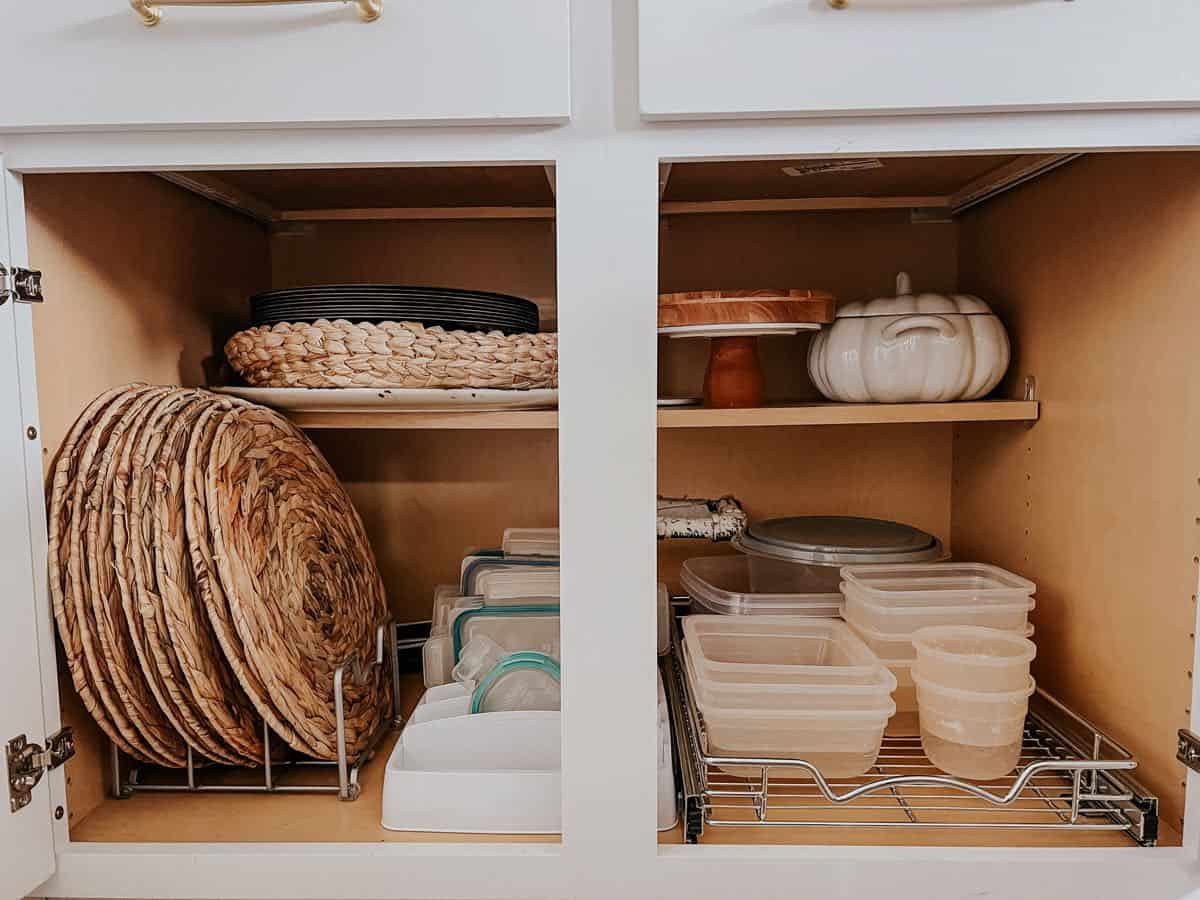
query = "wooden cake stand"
{"x": 734, "y": 321}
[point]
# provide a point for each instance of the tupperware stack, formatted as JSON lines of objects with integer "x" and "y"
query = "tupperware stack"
{"x": 481, "y": 753}
{"x": 887, "y": 604}
{"x": 791, "y": 566}
{"x": 787, "y": 687}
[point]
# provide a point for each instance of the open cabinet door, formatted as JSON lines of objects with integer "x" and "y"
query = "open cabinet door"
{"x": 26, "y": 839}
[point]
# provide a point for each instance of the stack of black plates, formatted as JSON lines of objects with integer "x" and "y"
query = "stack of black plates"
{"x": 448, "y": 307}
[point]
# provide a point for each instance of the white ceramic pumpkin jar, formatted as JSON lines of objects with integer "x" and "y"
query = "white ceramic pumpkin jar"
{"x": 911, "y": 348}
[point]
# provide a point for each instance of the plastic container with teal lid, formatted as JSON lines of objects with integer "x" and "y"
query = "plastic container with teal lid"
{"x": 722, "y": 585}
{"x": 525, "y": 680}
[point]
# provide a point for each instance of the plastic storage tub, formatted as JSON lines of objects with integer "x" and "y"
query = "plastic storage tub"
{"x": 977, "y": 659}
{"x": 872, "y": 695}
{"x": 840, "y": 743}
{"x": 723, "y": 585}
{"x": 936, "y": 584}
{"x": 530, "y": 542}
{"x": 895, "y": 648}
{"x": 907, "y": 619}
{"x": 805, "y": 554}
{"x": 972, "y": 734}
{"x": 778, "y": 650}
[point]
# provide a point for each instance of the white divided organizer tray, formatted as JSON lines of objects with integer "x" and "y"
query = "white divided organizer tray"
{"x": 490, "y": 773}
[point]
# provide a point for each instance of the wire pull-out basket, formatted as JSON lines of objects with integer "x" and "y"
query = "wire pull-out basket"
{"x": 1070, "y": 776}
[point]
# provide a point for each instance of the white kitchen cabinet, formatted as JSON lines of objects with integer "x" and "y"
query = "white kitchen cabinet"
{"x": 140, "y": 277}
{"x": 420, "y": 62}
{"x": 710, "y": 59}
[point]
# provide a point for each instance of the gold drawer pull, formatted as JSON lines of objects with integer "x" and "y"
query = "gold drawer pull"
{"x": 150, "y": 11}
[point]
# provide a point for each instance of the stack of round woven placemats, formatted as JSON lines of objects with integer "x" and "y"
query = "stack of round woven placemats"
{"x": 451, "y": 308}
{"x": 208, "y": 572}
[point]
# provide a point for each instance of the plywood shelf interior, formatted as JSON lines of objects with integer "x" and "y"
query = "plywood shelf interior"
{"x": 694, "y": 417}
{"x": 504, "y": 420}
{"x": 851, "y": 414}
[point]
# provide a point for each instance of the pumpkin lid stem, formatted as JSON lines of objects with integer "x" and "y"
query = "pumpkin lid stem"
{"x": 903, "y": 285}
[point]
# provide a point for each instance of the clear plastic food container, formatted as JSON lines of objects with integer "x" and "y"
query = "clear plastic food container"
{"x": 977, "y": 659}
{"x": 840, "y": 743}
{"x": 972, "y": 734}
{"x": 872, "y": 695}
{"x": 743, "y": 585}
{"x": 778, "y": 650}
{"x": 907, "y": 619}
{"x": 936, "y": 584}
{"x": 805, "y": 554}
{"x": 905, "y": 722}
{"x": 896, "y": 648}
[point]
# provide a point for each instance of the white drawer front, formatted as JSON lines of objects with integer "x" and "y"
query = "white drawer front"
{"x": 92, "y": 63}
{"x": 721, "y": 59}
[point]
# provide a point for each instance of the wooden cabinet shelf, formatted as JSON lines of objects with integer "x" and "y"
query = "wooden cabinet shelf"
{"x": 694, "y": 417}
{"x": 851, "y": 414}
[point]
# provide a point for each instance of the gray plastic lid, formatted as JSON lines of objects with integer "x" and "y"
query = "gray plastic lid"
{"x": 838, "y": 540}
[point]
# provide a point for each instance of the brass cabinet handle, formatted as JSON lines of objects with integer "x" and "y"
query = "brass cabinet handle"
{"x": 150, "y": 11}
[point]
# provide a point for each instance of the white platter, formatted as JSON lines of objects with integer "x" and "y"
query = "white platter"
{"x": 736, "y": 329}
{"x": 327, "y": 400}
{"x": 680, "y": 401}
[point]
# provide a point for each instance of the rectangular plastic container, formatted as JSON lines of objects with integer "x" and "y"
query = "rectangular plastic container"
{"x": 936, "y": 584}
{"x": 896, "y": 648}
{"x": 840, "y": 743}
{"x": 500, "y": 585}
{"x": 778, "y": 650}
{"x": 530, "y": 542}
{"x": 907, "y": 619}
{"x": 742, "y": 695}
{"x": 723, "y": 585}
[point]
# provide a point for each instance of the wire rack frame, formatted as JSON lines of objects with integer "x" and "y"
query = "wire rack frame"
{"x": 1070, "y": 776}
{"x": 130, "y": 777}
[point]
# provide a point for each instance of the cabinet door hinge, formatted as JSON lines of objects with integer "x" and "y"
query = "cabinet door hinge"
{"x": 27, "y": 763}
{"x": 22, "y": 285}
{"x": 1189, "y": 750}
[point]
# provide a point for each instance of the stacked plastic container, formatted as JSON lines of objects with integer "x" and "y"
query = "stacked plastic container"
{"x": 791, "y": 566}
{"x": 887, "y": 604}
{"x": 973, "y": 688}
{"x": 788, "y": 687}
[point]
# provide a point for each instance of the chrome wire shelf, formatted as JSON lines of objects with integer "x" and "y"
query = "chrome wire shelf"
{"x": 288, "y": 774}
{"x": 1070, "y": 776}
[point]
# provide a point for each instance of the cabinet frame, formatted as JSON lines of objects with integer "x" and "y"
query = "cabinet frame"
{"x": 607, "y": 164}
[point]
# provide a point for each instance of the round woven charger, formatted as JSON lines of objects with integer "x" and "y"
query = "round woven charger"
{"x": 62, "y": 507}
{"x": 108, "y": 616}
{"x": 299, "y": 575}
{"x": 165, "y": 667}
{"x": 208, "y": 581}
{"x": 214, "y": 688}
{"x": 80, "y": 563}
{"x": 391, "y": 354}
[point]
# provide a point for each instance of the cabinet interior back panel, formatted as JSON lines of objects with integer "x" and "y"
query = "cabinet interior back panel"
{"x": 1094, "y": 269}
{"x": 899, "y": 472}
{"x": 429, "y": 497}
{"x": 853, "y": 255}
{"x": 133, "y": 294}
{"x": 507, "y": 255}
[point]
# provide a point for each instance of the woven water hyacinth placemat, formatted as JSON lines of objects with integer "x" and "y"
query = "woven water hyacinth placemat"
{"x": 214, "y": 688}
{"x": 62, "y": 509}
{"x": 392, "y": 354}
{"x": 298, "y": 574}
{"x": 124, "y": 666}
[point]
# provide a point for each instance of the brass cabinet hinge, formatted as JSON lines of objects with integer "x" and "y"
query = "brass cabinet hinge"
{"x": 27, "y": 763}
{"x": 22, "y": 285}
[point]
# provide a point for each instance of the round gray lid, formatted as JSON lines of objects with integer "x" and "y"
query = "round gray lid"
{"x": 838, "y": 540}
